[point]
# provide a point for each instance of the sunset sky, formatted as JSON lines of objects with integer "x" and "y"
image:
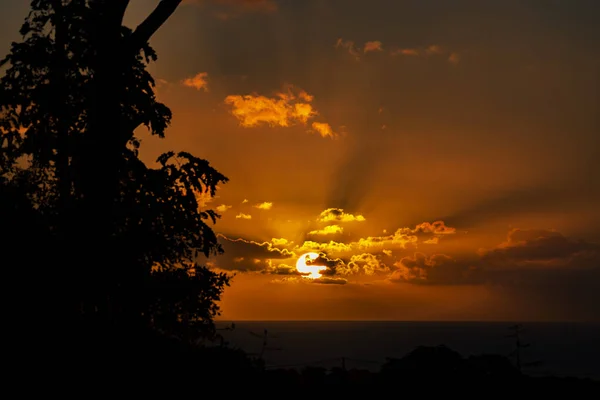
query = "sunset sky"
{"x": 443, "y": 155}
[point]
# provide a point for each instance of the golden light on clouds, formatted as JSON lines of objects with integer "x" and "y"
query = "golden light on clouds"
{"x": 310, "y": 271}
{"x": 338, "y": 214}
{"x": 264, "y": 205}
{"x": 223, "y": 207}
{"x": 243, "y": 216}
{"x": 287, "y": 108}
{"x": 328, "y": 230}
{"x": 324, "y": 129}
{"x": 198, "y": 82}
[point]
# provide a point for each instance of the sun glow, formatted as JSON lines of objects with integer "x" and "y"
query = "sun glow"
{"x": 309, "y": 271}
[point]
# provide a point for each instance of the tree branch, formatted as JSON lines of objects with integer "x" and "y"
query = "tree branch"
{"x": 146, "y": 29}
{"x": 121, "y": 7}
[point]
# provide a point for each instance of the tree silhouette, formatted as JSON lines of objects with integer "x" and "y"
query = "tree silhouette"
{"x": 111, "y": 241}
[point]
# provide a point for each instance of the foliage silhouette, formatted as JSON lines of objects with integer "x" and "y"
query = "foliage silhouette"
{"x": 111, "y": 242}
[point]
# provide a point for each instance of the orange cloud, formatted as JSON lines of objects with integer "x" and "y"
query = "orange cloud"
{"x": 349, "y": 47}
{"x": 329, "y": 248}
{"x": 437, "y": 228}
{"x": 338, "y": 214}
{"x": 283, "y": 110}
{"x": 324, "y": 129}
{"x": 222, "y": 208}
{"x": 429, "y": 51}
{"x": 286, "y": 109}
{"x": 280, "y": 242}
{"x": 405, "y": 52}
{"x": 328, "y": 230}
{"x": 243, "y": 216}
{"x": 264, "y": 205}
{"x": 375, "y": 45}
{"x": 198, "y": 82}
{"x": 368, "y": 263}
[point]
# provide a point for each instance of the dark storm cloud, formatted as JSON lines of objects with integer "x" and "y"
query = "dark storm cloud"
{"x": 332, "y": 264}
{"x": 330, "y": 281}
{"x": 437, "y": 269}
{"x": 528, "y": 257}
{"x": 544, "y": 249}
{"x": 248, "y": 255}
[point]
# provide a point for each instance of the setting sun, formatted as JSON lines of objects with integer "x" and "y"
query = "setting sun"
{"x": 309, "y": 271}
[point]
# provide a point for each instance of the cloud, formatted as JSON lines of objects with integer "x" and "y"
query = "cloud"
{"x": 348, "y": 45}
{"x": 281, "y": 269}
{"x": 287, "y": 108}
{"x": 324, "y": 129}
{"x": 331, "y": 264}
{"x": 329, "y": 247}
{"x": 222, "y": 208}
{"x": 338, "y": 215}
{"x": 436, "y": 228}
{"x": 243, "y": 216}
{"x": 198, "y": 82}
{"x": 399, "y": 239}
{"x": 249, "y": 255}
{"x": 429, "y": 51}
{"x": 369, "y": 264}
{"x": 546, "y": 270}
{"x": 328, "y": 230}
{"x": 329, "y": 281}
{"x": 405, "y": 52}
{"x": 402, "y": 238}
{"x": 253, "y": 110}
{"x": 280, "y": 242}
{"x": 434, "y": 269}
{"x": 244, "y": 201}
{"x": 264, "y": 205}
{"x": 543, "y": 249}
{"x": 375, "y": 45}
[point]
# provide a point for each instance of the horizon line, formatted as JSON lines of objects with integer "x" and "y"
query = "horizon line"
{"x": 415, "y": 321}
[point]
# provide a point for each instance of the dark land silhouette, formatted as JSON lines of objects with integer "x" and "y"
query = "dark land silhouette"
{"x": 99, "y": 250}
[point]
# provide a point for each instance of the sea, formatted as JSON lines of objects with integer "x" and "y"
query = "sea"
{"x": 547, "y": 348}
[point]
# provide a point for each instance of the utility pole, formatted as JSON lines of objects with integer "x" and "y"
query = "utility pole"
{"x": 265, "y": 343}
{"x": 517, "y": 331}
{"x": 221, "y": 337}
